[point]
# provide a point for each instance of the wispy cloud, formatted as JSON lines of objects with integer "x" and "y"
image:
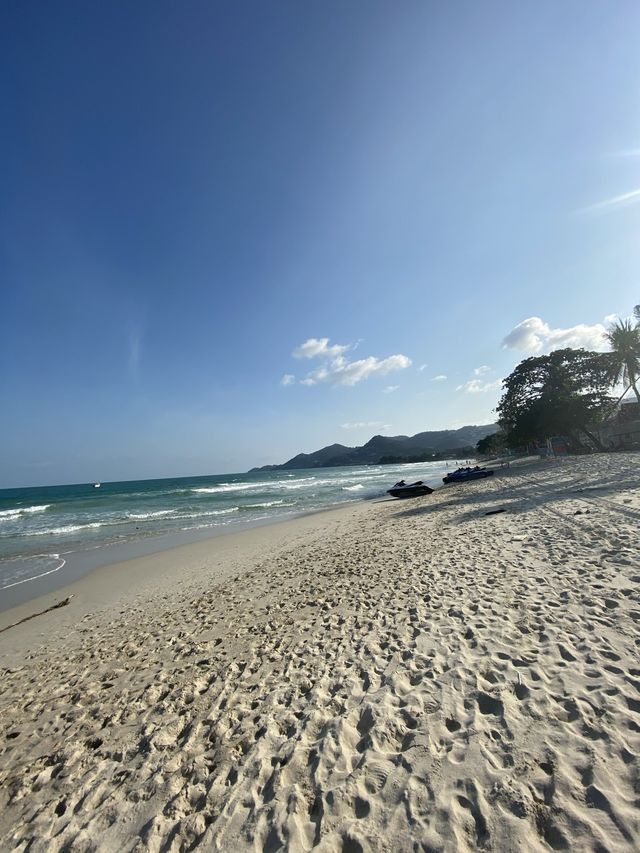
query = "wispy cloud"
{"x": 477, "y": 386}
{"x": 365, "y": 425}
{"x": 613, "y": 203}
{"x": 423, "y": 367}
{"x": 288, "y": 379}
{"x": 439, "y": 378}
{"x": 480, "y": 371}
{"x": 336, "y": 369}
{"x": 534, "y": 335}
{"x": 389, "y": 389}
{"x": 315, "y": 347}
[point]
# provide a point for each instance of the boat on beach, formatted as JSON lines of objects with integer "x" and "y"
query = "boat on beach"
{"x": 413, "y": 490}
{"x": 463, "y": 475}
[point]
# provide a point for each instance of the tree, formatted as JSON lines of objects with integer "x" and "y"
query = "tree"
{"x": 636, "y": 314}
{"x": 563, "y": 393}
{"x": 490, "y": 444}
{"x": 624, "y": 339}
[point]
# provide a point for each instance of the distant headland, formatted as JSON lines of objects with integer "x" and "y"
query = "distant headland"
{"x": 391, "y": 449}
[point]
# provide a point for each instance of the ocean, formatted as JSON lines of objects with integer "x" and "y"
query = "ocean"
{"x": 41, "y": 527}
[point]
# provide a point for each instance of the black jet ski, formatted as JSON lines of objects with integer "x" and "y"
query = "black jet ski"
{"x": 413, "y": 490}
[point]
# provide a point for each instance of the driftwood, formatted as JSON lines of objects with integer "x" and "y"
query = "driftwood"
{"x": 62, "y": 603}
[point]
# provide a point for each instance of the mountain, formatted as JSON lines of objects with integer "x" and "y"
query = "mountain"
{"x": 395, "y": 448}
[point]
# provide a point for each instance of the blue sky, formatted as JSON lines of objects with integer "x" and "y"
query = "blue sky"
{"x": 192, "y": 191}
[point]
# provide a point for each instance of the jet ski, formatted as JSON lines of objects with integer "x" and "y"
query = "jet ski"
{"x": 462, "y": 475}
{"x": 412, "y": 490}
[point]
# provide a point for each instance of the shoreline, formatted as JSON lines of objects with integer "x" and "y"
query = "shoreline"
{"x": 452, "y": 673}
{"x": 81, "y": 563}
{"x": 41, "y": 552}
{"x": 117, "y": 580}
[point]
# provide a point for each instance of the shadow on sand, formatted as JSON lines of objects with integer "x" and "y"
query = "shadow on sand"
{"x": 521, "y": 496}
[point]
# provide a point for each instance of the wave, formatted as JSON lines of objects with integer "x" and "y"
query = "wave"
{"x": 207, "y": 514}
{"x": 9, "y": 514}
{"x": 140, "y": 516}
{"x": 265, "y": 485}
{"x": 355, "y": 488}
{"x": 168, "y": 514}
{"x": 70, "y": 528}
{"x": 267, "y": 504}
{"x": 215, "y": 490}
{"x": 57, "y": 557}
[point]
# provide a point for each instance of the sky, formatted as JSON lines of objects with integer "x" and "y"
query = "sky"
{"x": 232, "y": 232}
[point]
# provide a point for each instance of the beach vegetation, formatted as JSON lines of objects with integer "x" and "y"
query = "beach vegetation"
{"x": 492, "y": 444}
{"x": 564, "y": 393}
{"x": 624, "y": 339}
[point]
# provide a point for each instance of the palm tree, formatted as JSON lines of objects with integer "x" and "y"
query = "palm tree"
{"x": 636, "y": 314}
{"x": 624, "y": 340}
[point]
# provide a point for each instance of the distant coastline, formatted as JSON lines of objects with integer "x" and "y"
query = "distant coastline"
{"x": 430, "y": 446}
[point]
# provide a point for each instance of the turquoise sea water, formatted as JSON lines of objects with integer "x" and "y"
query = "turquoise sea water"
{"x": 40, "y": 527}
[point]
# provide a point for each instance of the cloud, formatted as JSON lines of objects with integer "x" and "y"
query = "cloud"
{"x": 439, "y": 378}
{"x": 612, "y": 203}
{"x": 480, "y": 371}
{"x": 611, "y": 318}
{"x": 390, "y": 389}
{"x": 288, "y": 379}
{"x": 477, "y": 386}
{"x": 422, "y": 367}
{"x": 365, "y": 425}
{"x": 314, "y": 347}
{"x": 338, "y": 370}
{"x": 534, "y": 335}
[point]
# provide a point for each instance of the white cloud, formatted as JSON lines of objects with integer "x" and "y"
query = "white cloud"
{"x": 335, "y": 369}
{"x": 439, "y": 378}
{"x": 534, "y": 335}
{"x": 422, "y": 367}
{"x": 611, "y": 318}
{"x": 339, "y": 371}
{"x": 480, "y": 371}
{"x": 288, "y": 379}
{"x": 390, "y": 389}
{"x": 613, "y": 203}
{"x": 314, "y": 347}
{"x": 477, "y": 386}
{"x": 366, "y": 425}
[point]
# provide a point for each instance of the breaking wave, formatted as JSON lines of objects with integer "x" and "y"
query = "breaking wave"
{"x": 10, "y": 514}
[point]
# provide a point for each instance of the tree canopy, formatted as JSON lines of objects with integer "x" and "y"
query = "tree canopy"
{"x": 624, "y": 340}
{"x": 490, "y": 444}
{"x": 563, "y": 393}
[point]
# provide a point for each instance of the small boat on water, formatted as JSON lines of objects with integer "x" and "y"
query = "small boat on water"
{"x": 97, "y": 485}
{"x": 463, "y": 475}
{"x": 413, "y": 490}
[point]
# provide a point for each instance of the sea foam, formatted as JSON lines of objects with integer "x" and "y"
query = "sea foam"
{"x": 11, "y": 514}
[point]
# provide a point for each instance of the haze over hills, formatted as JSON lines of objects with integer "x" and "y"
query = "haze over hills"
{"x": 382, "y": 448}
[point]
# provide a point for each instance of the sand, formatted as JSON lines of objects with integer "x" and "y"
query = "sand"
{"x": 391, "y": 676}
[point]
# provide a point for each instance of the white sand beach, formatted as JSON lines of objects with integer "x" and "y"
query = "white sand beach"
{"x": 388, "y": 676}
